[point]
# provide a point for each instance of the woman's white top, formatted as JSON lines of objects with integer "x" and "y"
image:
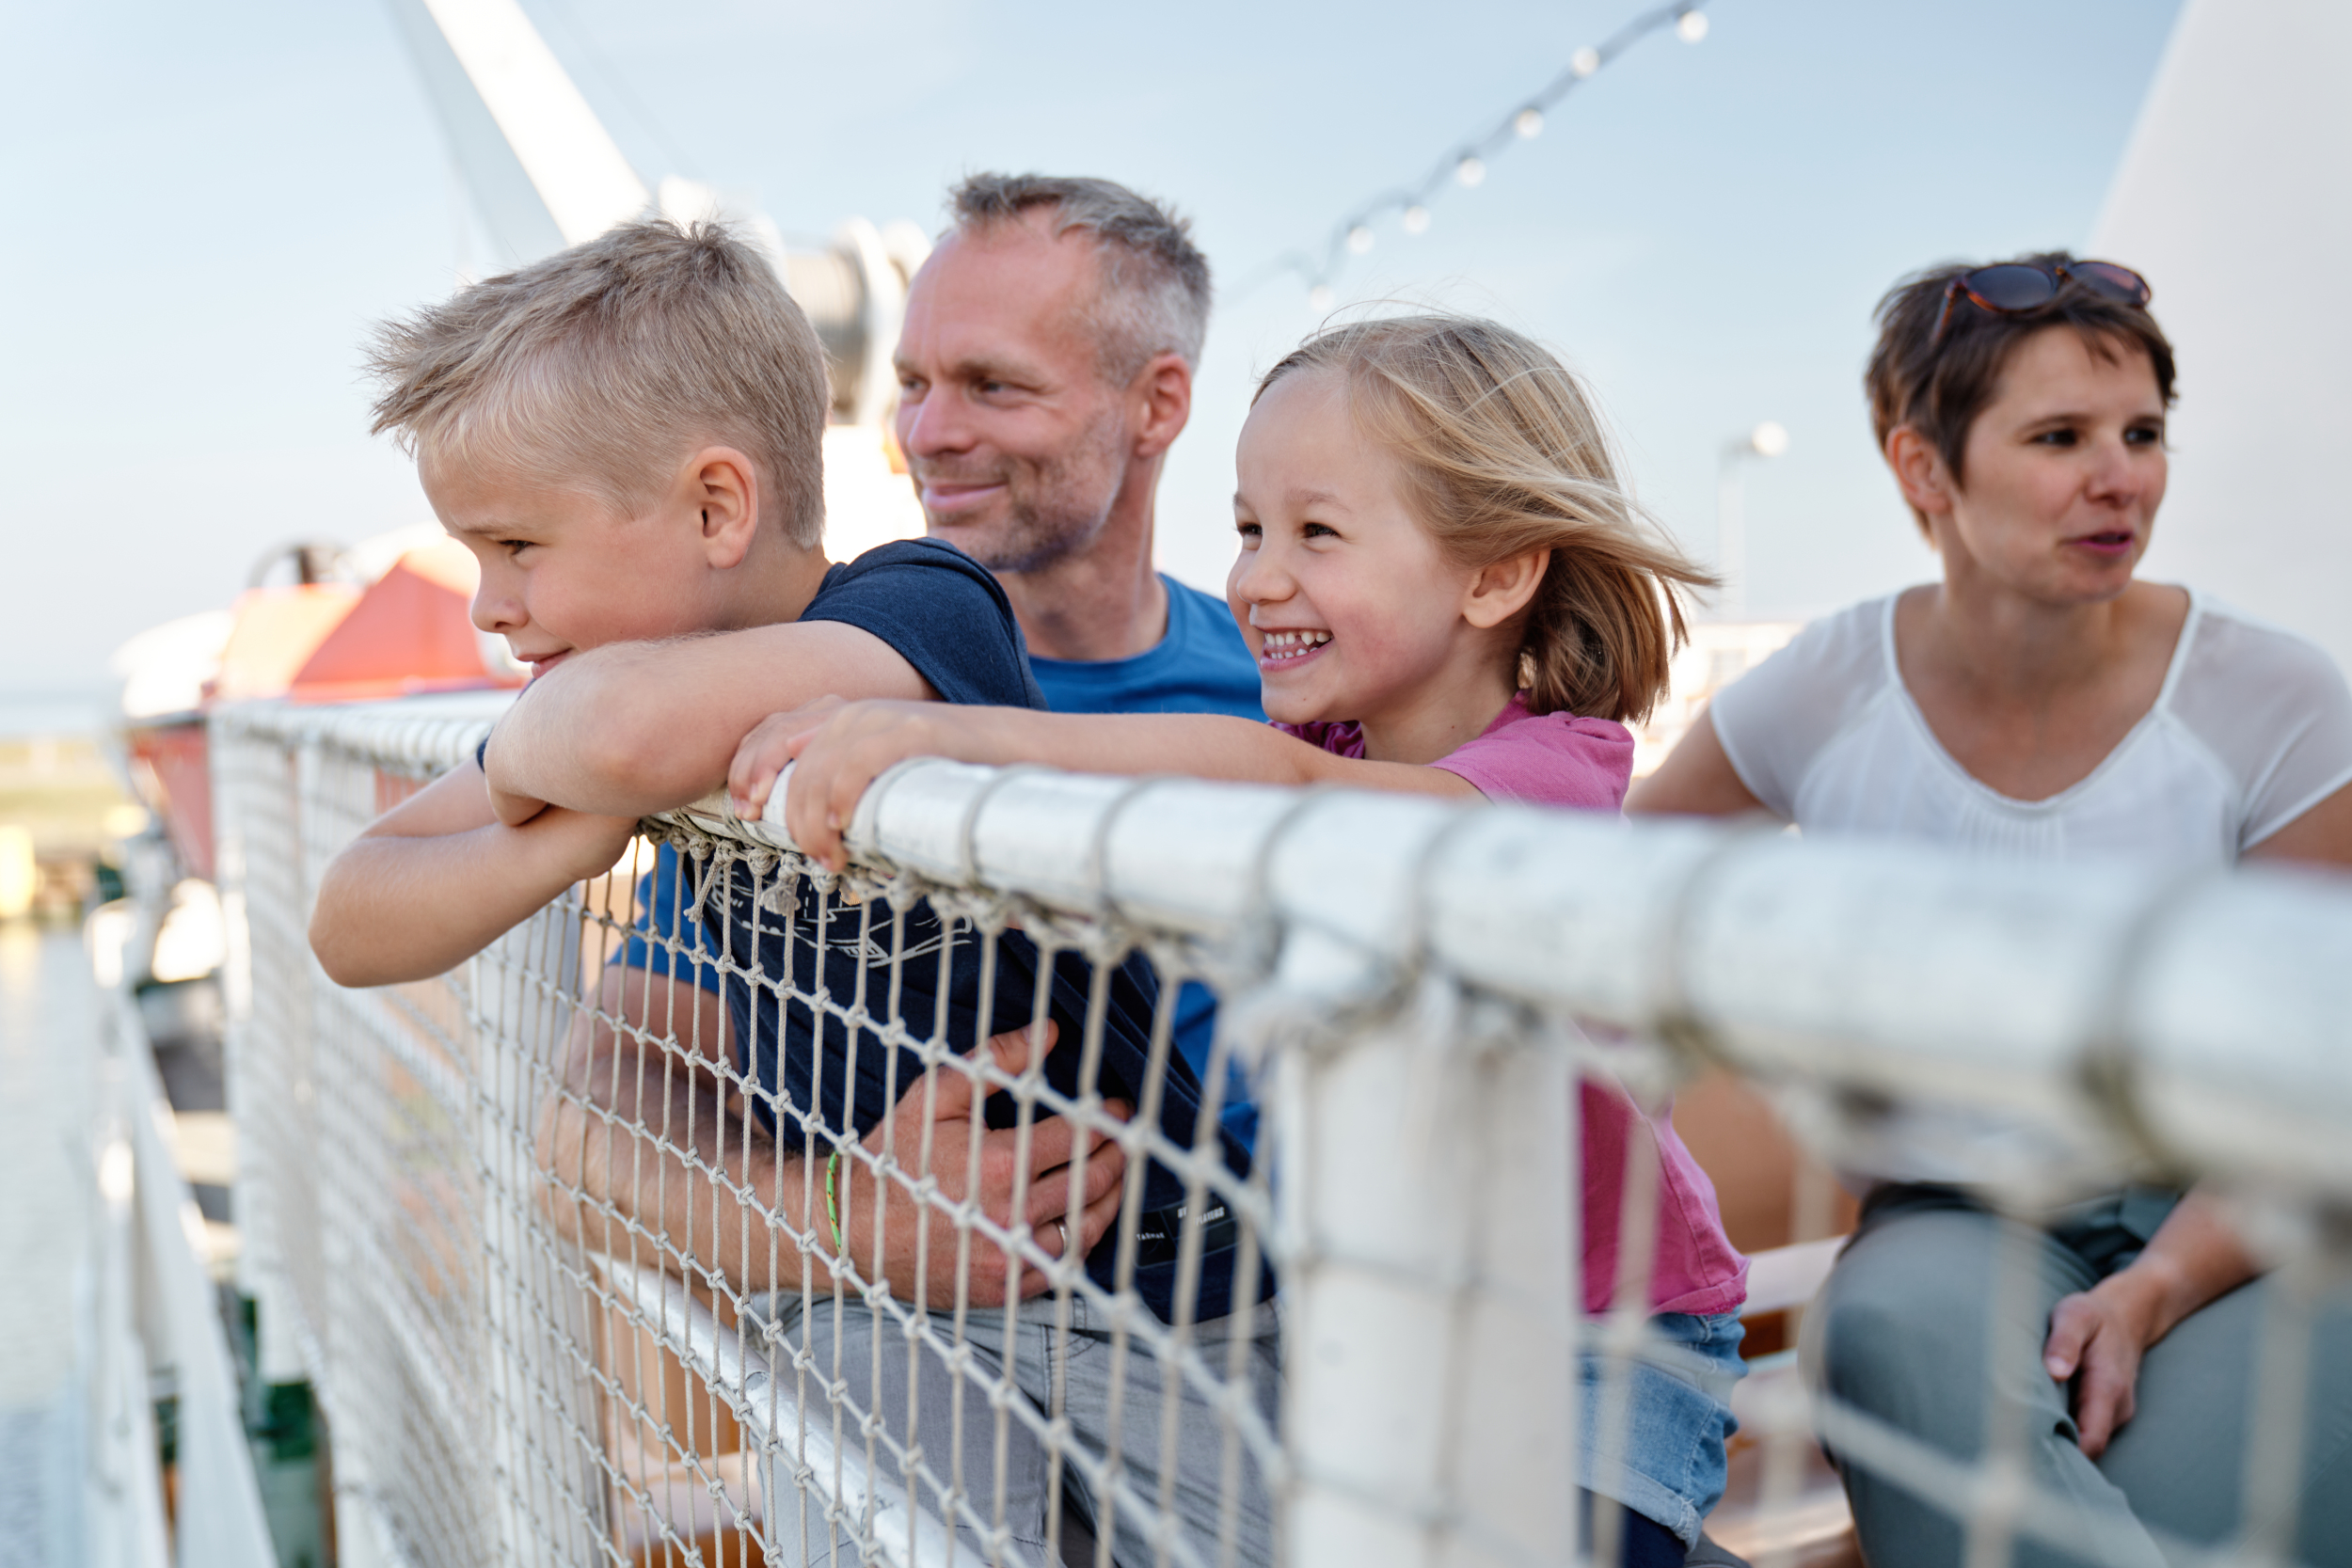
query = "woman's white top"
{"x": 2251, "y": 729}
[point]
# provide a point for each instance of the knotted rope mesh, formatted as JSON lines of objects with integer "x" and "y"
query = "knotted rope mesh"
{"x": 661, "y": 1231}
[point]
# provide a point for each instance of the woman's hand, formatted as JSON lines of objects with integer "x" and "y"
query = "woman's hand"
{"x": 840, "y": 748}
{"x": 2096, "y": 1339}
{"x": 2100, "y": 1335}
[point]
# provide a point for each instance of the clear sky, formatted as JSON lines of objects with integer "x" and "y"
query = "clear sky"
{"x": 210, "y": 204}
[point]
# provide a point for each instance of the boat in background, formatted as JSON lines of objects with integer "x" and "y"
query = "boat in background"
{"x": 389, "y": 617}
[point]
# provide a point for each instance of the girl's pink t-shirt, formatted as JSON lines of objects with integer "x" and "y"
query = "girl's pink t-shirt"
{"x": 1560, "y": 759}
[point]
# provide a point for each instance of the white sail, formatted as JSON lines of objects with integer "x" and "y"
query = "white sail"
{"x": 545, "y": 173}
{"x": 2232, "y": 198}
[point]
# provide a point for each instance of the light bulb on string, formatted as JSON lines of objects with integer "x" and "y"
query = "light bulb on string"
{"x": 1357, "y": 236}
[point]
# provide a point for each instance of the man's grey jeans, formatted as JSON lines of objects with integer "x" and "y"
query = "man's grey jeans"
{"x": 975, "y": 1439}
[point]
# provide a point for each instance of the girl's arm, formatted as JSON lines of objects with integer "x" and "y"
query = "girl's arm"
{"x": 841, "y": 748}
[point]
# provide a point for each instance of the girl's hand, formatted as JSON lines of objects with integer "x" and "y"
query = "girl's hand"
{"x": 762, "y": 755}
{"x": 840, "y": 748}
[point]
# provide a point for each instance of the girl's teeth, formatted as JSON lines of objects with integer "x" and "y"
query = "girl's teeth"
{"x": 1291, "y": 645}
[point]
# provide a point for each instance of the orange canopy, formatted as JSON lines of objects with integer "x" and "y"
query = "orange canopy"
{"x": 412, "y": 632}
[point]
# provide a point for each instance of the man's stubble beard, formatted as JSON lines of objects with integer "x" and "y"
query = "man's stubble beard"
{"x": 1063, "y": 508}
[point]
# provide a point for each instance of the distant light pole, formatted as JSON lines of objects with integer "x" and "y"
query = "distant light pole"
{"x": 1769, "y": 439}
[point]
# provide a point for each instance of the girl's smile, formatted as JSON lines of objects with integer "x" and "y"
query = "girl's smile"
{"x": 1285, "y": 651}
{"x": 1352, "y": 611}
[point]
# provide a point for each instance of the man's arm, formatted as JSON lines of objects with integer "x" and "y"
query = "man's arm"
{"x": 642, "y": 1129}
{"x": 438, "y": 878}
{"x": 639, "y": 728}
{"x": 840, "y": 748}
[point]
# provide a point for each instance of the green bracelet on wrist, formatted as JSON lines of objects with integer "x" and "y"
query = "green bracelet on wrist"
{"x": 832, "y": 1212}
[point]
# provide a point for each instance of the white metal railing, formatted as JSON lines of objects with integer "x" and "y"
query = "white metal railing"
{"x": 512, "y": 1350}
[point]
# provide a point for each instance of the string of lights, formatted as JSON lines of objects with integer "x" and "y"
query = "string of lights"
{"x": 1465, "y": 165}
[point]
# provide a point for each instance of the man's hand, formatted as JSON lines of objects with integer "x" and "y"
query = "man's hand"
{"x": 1067, "y": 1207}
{"x": 841, "y": 748}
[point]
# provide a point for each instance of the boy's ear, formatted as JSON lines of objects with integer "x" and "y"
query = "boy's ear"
{"x": 1503, "y": 588}
{"x": 722, "y": 485}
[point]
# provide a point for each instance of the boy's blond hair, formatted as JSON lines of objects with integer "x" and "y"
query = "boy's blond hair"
{"x": 1503, "y": 452}
{"x": 602, "y": 367}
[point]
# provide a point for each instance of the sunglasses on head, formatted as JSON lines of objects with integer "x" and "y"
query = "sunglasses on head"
{"x": 2011, "y": 288}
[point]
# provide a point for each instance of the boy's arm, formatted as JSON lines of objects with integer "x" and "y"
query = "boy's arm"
{"x": 438, "y": 878}
{"x": 633, "y": 728}
{"x": 840, "y": 748}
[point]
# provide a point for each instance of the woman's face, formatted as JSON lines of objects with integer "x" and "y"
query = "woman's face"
{"x": 2064, "y": 470}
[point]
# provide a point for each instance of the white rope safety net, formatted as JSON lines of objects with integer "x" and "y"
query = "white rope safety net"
{"x": 659, "y": 1233}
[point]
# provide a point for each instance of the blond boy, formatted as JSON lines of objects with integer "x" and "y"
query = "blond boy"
{"x": 627, "y": 435}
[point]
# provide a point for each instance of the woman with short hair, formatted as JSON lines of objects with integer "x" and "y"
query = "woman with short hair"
{"x": 2042, "y": 701}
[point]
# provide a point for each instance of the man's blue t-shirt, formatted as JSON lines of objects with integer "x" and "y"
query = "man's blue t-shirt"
{"x": 948, "y": 617}
{"x": 1200, "y": 666}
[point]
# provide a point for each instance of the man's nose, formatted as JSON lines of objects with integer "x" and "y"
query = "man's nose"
{"x": 934, "y": 424}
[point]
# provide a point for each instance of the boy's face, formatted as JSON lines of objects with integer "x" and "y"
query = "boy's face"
{"x": 563, "y": 571}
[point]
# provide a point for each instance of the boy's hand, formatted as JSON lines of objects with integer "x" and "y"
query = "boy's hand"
{"x": 840, "y": 748}
{"x": 1066, "y": 1211}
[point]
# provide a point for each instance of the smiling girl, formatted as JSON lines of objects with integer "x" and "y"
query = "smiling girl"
{"x": 1448, "y": 592}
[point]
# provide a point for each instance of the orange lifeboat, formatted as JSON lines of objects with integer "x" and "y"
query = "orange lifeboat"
{"x": 316, "y": 640}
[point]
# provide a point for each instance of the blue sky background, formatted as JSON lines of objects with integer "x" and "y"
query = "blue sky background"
{"x": 210, "y": 204}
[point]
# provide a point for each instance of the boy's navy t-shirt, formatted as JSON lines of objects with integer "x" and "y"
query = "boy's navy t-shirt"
{"x": 1200, "y": 666}
{"x": 948, "y": 617}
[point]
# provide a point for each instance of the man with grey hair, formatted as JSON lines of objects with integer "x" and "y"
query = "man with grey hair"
{"x": 1044, "y": 369}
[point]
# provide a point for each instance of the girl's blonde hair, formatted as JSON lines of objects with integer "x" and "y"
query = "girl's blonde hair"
{"x": 1503, "y": 452}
